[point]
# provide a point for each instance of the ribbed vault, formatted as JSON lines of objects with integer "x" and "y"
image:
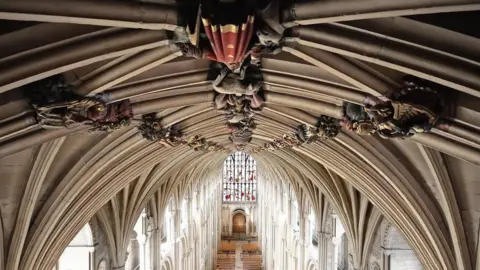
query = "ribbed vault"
{"x": 56, "y": 181}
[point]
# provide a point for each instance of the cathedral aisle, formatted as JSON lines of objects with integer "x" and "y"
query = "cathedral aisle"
{"x": 238, "y": 257}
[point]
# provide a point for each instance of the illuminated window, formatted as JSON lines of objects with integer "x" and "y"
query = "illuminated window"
{"x": 240, "y": 178}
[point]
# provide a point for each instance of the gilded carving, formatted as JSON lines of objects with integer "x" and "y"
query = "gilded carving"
{"x": 414, "y": 109}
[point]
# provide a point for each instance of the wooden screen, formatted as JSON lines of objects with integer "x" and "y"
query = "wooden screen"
{"x": 239, "y": 223}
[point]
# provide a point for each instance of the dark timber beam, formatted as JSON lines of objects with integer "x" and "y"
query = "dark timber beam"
{"x": 122, "y": 14}
{"x": 186, "y": 113}
{"x": 304, "y": 103}
{"x": 434, "y": 66}
{"x": 329, "y": 90}
{"x": 291, "y": 113}
{"x": 340, "y": 67}
{"x": 17, "y": 126}
{"x": 169, "y": 102}
{"x": 110, "y": 44}
{"x": 155, "y": 85}
{"x": 36, "y": 138}
{"x": 40, "y": 37}
{"x": 317, "y": 12}
{"x": 422, "y": 34}
{"x": 125, "y": 70}
{"x": 448, "y": 146}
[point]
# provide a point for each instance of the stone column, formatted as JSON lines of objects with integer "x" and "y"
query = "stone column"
{"x": 289, "y": 210}
{"x": 230, "y": 217}
{"x": 324, "y": 245}
{"x": 176, "y": 214}
{"x": 247, "y": 223}
{"x": 386, "y": 259}
{"x": 141, "y": 241}
{"x": 133, "y": 256}
{"x": 302, "y": 235}
{"x": 336, "y": 242}
{"x": 320, "y": 249}
{"x": 91, "y": 258}
{"x": 158, "y": 252}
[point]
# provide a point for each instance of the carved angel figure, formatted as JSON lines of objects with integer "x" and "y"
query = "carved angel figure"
{"x": 414, "y": 109}
{"x": 88, "y": 111}
{"x": 152, "y": 130}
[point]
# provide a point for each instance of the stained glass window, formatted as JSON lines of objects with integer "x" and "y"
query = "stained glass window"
{"x": 240, "y": 178}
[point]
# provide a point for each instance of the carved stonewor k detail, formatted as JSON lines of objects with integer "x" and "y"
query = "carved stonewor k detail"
{"x": 87, "y": 111}
{"x": 356, "y": 119}
{"x": 231, "y": 32}
{"x": 306, "y": 134}
{"x": 328, "y": 127}
{"x": 119, "y": 114}
{"x": 414, "y": 109}
{"x": 198, "y": 143}
{"x": 152, "y": 130}
{"x": 232, "y": 39}
{"x": 58, "y": 107}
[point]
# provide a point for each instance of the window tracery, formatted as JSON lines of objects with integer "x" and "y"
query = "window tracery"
{"x": 240, "y": 178}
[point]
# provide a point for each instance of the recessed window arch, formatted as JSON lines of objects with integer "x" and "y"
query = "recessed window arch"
{"x": 78, "y": 254}
{"x": 240, "y": 178}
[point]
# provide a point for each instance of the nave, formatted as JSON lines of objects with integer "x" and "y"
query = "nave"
{"x": 334, "y": 134}
{"x": 212, "y": 230}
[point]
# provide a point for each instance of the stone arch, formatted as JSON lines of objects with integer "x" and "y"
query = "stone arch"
{"x": 239, "y": 222}
{"x": 83, "y": 238}
{"x": 400, "y": 254}
{"x": 242, "y": 211}
{"x": 395, "y": 240}
{"x": 78, "y": 254}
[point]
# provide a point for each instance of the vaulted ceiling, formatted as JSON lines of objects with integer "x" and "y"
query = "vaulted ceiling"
{"x": 55, "y": 181}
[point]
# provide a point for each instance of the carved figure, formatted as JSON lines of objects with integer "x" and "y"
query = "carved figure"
{"x": 57, "y": 106}
{"x": 152, "y": 130}
{"x": 232, "y": 35}
{"x": 290, "y": 140}
{"x": 328, "y": 127}
{"x": 198, "y": 143}
{"x": 88, "y": 111}
{"x": 356, "y": 119}
{"x": 414, "y": 109}
{"x": 237, "y": 42}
